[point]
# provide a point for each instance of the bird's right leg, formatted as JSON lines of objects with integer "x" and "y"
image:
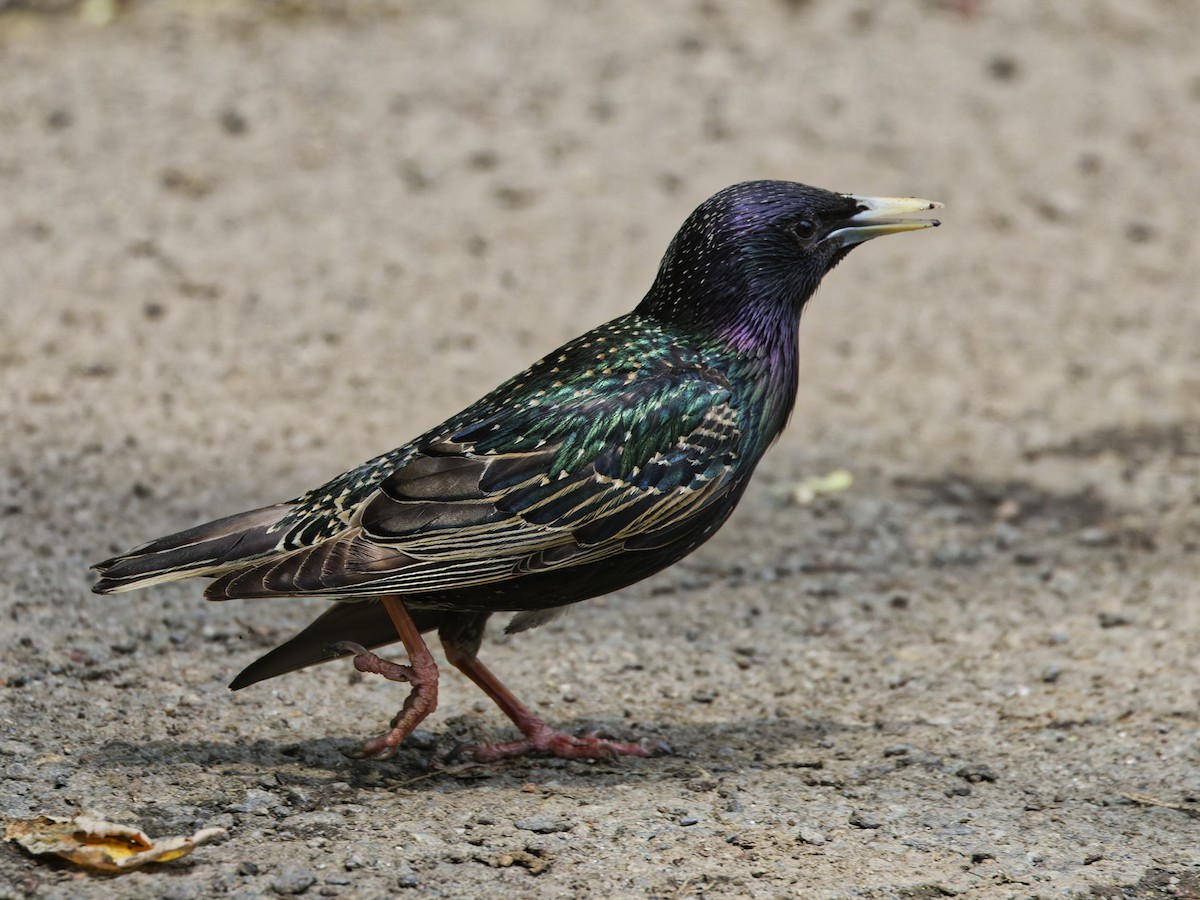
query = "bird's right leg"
{"x": 460, "y": 639}
{"x": 421, "y": 673}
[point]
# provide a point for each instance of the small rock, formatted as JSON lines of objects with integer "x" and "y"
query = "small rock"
{"x": 59, "y": 119}
{"x": 1003, "y": 68}
{"x": 407, "y": 882}
{"x": 256, "y": 802}
{"x": 811, "y": 836}
{"x": 861, "y": 819}
{"x": 179, "y": 891}
{"x": 1096, "y": 537}
{"x": 292, "y": 880}
{"x": 1139, "y": 232}
{"x": 232, "y": 121}
{"x": 543, "y": 825}
{"x": 686, "y": 821}
{"x": 421, "y": 739}
{"x": 1056, "y": 206}
{"x": 952, "y": 553}
{"x": 976, "y": 773}
{"x": 1114, "y": 620}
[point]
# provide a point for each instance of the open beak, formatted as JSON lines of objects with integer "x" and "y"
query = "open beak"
{"x": 874, "y": 218}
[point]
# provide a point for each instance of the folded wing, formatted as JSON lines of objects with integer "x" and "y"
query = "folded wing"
{"x": 567, "y": 483}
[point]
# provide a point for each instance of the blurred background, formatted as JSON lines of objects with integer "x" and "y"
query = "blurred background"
{"x": 311, "y": 229}
{"x": 246, "y": 245}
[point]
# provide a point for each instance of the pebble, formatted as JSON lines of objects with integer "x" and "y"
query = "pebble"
{"x": 256, "y": 802}
{"x": 292, "y": 880}
{"x": 421, "y": 739}
{"x": 1114, "y": 620}
{"x": 811, "y": 836}
{"x": 543, "y": 825}
{"x": 976, "y": 773}
{"x": 861, "y": 819}
{"x": 952, "y": 553}
{"x": 181, "y": 890}
{"x": 1096, "y": 537}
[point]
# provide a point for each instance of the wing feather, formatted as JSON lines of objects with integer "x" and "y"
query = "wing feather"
{"x": 533, "y": 490}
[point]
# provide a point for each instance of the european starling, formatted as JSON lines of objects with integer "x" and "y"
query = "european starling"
{"x": 602, "y": 463}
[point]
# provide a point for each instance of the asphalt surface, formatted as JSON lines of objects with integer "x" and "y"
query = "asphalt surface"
{"x": 246, "y": 246}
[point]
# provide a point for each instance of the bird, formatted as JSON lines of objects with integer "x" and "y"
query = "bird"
{"x": 604, "y": 462}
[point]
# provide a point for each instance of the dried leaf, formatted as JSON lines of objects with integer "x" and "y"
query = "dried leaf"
{"x": 101, "y": 846}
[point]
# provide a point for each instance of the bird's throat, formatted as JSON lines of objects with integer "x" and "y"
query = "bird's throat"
{"x": 762, "y": 358}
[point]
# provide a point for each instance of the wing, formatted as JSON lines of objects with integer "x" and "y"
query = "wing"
{"x": 571, "y": 477}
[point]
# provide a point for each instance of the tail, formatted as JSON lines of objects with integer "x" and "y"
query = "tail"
{"x": 207, "y": 549}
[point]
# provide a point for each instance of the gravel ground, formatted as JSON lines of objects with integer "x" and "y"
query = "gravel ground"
{"x": 246, "y": 245}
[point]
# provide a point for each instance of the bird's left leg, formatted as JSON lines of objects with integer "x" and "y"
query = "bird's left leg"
{"x": 461, "y": 636}
{"x": 421, "y": 673}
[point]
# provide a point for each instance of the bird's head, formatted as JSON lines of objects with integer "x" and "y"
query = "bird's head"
{"x": 749, "y": 258}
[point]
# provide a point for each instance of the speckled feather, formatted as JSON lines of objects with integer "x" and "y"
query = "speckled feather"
{"x": 618, "y": 436}
{"x": 609, "y": 400}
{"x": 602, "y": 463}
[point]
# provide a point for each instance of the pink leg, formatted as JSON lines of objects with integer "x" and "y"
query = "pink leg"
{"x": 539, "y": 737}
{"x": 421, "y": 673}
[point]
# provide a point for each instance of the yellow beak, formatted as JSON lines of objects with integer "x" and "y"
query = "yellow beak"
{"x": 874, "y": 218}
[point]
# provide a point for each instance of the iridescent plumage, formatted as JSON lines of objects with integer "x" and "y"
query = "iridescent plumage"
{"x": 600, "y": 464}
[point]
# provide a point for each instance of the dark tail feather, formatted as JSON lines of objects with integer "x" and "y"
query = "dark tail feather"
{"x": 204, "y": 550}
{"x": 364, "y": 622}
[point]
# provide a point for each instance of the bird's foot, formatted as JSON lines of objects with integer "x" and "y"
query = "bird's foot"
{"x": 421, "y": 701}
{"x": 538, "y": 736}
{"x": 541, "y": 738}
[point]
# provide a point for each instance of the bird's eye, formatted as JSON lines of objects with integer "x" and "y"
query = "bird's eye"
{"x": 804, "y": 229}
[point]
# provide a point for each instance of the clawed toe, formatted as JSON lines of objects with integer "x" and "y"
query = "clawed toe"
{"x": 343, "y": 647}
{"x": 376, "y": 748}
{"x": 546, "y": 741}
